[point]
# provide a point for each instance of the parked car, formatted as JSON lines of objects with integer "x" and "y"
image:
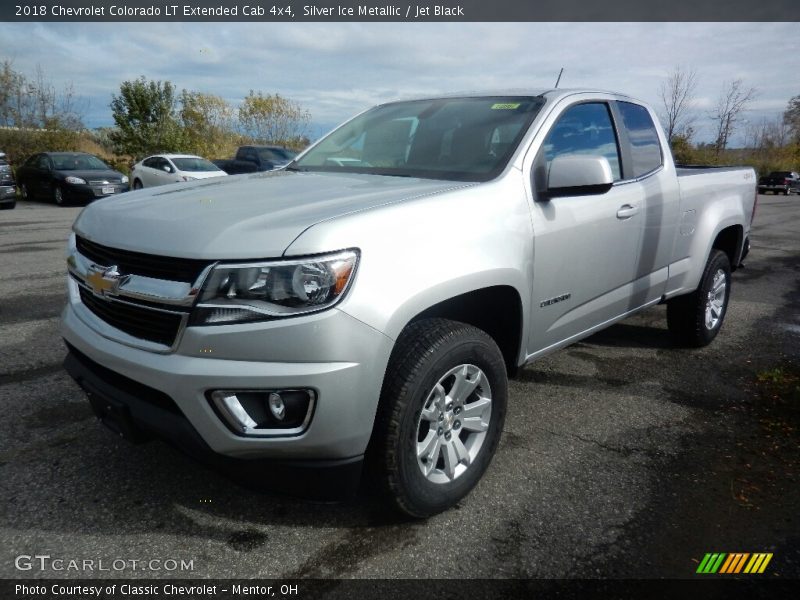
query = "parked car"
{"x": 161, "y": 169}
{"x": 8, "y": 190}
{"x": 66, "y": 177}
{"x": 250, "y": 159}
{"x": 785, "y": 182}
{"x": 376, "y": 308}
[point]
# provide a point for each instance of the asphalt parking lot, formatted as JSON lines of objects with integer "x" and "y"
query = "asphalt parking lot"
{"x": 622, "y": 456}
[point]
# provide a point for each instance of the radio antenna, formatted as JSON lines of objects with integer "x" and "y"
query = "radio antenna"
{"x": 559, "y": 76}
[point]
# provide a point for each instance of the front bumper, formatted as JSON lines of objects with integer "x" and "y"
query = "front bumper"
{"x": 87, "y": 193}
{"x": 8, "y": 193}
{"x": 137, "y": 412}
{"x": 339, "y": 357}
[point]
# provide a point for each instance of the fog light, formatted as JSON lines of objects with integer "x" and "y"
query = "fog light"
{"x": 277, "y": 406}
{"x": 266, "y": 413}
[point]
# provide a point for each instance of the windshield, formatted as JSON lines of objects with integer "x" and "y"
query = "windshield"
{"x": 77, "y": 162}
{"x": 194, "y": 164}
{"x": 276, "y": 154}
{"x": 466, "y": 139}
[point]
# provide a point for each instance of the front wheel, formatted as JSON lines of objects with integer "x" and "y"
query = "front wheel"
{"x": 58, "y": 196}
{"x": 696, "y": 318}
{"x": 440, "y": 416}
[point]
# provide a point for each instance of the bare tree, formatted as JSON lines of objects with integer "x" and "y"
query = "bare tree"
{"x": 731, "y": 103}
{"x": 677, "y": 96}
{"x": 792, "y": 118}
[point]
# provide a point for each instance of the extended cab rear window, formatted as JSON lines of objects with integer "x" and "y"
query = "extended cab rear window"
{"x": 643, "y": 137}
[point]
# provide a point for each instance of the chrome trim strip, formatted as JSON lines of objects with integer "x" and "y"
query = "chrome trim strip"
{"x": 237, "y": 429}
{"x": 140, "y": 287}
{"x": 117, "y": 335}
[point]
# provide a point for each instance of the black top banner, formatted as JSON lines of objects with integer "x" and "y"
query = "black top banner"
{"x": 399, "y": 10}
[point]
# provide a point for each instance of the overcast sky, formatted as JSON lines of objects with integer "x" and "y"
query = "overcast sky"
{"x": 337, "y": 69}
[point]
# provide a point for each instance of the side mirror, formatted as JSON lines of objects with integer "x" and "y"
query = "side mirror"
{"x": 578, "y": 175}
{"x": 167, "y": 168}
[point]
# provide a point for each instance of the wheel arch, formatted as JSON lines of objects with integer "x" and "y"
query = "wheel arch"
{"x": 496, "y": 310}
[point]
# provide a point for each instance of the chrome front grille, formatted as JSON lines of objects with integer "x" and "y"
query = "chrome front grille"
{"x": 139, "y": 299}
{"x": 158, "y": 326}
{"x": 138, "y": 263}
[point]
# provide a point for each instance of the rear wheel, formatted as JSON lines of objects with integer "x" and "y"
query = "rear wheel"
{"x": 137, "y": 185}
{"x": 440, "y": 417}
{"x": 696, "y": 318}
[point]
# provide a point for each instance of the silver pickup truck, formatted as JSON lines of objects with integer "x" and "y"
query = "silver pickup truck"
{"x": 367, "y": 304}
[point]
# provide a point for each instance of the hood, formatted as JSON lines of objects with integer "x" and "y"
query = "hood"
{"x": 252, "y": 216}
{"x": 93, "y": 174}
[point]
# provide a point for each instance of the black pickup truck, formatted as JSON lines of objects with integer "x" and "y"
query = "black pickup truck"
{"x": 785, "y": 182}
{"x": 250, "y": 159}
{"x": 8, "y": 189}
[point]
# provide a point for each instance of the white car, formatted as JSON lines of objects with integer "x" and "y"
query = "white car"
{"x": 161, "y": 169}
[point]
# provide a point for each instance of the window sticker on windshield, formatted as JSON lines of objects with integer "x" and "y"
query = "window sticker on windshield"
{"x": 505, "y": 106}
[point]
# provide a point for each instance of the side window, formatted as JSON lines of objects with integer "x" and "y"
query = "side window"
{"x": 585, "y": 129}
{"x": 151, "y": 162}
{"x": 43, "y": 162}
{"x": 645, "y": 146}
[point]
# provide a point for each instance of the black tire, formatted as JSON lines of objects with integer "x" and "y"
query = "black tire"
{"x": 58, "y": 196}
{"x": 425, "y": 352}
{"x": 686, "y": 315}
{"x": 23, "y": 191}
{"x": 786, "y": 192}
{"x": 137, "y": 185}
{"x": 8, "y": 205}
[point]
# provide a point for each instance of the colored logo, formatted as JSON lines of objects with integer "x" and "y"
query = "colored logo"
{"x": 733, "y": 563}
{"x": 105, "y": 280}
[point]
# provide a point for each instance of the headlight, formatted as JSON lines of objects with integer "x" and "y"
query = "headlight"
{"x": 77, "y": 180}
{"x": 271, "y": 290}
{"x": 124, "y": 179}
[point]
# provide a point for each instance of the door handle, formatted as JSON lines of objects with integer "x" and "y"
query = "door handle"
{"x": 626, "y": 211}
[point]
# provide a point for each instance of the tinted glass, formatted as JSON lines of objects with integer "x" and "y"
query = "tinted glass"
{"x": 276, "y": 154}
{"x": 645, "y": 146}
{"x": 194, "y": 164}
{"x": 585, "y": 129}
{"x": 77, "y": 162}
{"x": 465, "y": 139}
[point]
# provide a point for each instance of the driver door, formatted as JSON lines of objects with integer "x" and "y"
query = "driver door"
{"x": 586, "y": 245}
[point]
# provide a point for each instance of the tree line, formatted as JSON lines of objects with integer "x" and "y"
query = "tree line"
{"x": 769, "y": 144}
{"x": 149, "y": 117}
{"x": 152, "y": 116}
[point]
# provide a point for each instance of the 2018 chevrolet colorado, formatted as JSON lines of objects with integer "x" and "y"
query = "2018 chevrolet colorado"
{"x": 372, "y": 299}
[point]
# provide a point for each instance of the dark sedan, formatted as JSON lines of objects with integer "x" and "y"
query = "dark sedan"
{"x": 66, "y": 177}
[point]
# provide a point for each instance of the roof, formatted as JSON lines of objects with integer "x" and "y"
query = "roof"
{"x": 551, "y": 93}
{"x": 168, "y": 155}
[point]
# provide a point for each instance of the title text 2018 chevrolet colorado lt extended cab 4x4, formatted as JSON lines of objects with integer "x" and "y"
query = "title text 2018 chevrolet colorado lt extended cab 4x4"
{"x": 367, "y": 304}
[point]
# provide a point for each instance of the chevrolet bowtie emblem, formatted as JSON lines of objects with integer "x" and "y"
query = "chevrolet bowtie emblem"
{"x": 105, "y": 280}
